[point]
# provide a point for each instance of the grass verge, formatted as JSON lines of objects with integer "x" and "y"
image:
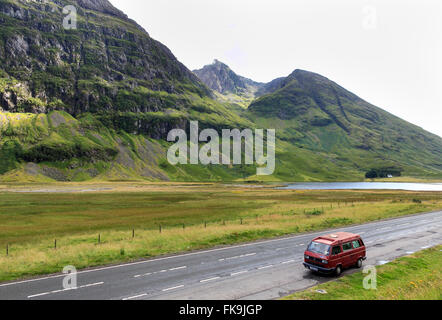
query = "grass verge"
{"x": 414, "y": 277}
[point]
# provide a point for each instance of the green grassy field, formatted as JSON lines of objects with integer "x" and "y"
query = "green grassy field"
{"x": 415, "y": 277}
{"x": 191, "y": 216}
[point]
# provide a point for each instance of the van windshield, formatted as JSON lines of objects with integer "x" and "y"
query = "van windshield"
{"x": 320, "y": 248}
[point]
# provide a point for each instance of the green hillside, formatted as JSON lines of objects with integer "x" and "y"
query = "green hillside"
{"x": 314, "y": 113}
{"x": 97, "y": 102}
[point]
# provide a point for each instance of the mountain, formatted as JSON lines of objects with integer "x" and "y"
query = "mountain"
{"x": 109, "y": 63}
{"x": 315, "y": 113}
{"x": 97, "y": 103}
{"x": 229, "y": 86}
{"x": 73, "y": 96}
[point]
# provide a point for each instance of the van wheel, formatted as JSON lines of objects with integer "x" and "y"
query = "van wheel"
{"x": 338, "y": 270}
{"x": 359, "y": 263}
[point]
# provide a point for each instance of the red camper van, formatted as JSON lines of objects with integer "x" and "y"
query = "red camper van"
{"x": 334, "y": 252}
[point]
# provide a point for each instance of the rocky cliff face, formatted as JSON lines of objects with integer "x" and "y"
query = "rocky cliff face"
{"x": 107, "y": 63}
{"x": 219, "y": 77}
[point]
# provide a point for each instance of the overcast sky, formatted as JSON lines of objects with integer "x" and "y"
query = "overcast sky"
{"x": 387, "y": 52}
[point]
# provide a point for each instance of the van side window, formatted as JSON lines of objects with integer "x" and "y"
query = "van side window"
{"x": 347, "y": 246}
{"x": 361, "y": 242}
{"x": 336, "y": 250}
{"x": 356, "y": 244}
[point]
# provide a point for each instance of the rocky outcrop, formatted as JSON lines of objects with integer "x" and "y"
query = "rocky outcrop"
{"x": 96, "y": 67}
{"x": 219, "y": 77}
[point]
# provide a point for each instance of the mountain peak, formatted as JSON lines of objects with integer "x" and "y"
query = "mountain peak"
{"x": 219, "y": 77}
{"x": 103, "y": 6}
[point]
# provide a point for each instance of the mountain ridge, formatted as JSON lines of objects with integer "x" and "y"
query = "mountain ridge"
{"x": 97, "y": 103}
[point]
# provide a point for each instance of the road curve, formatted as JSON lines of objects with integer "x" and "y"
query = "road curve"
{"x": 261, "y": 270}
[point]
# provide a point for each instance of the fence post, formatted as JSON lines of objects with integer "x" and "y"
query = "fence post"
{"x": 99, "y": 238}
{"x": 55, "y": 244}
{"x": 160, "y": 228}
{"x": 241, "y": 221}
{"x": 7, "y": 249}
{"x": 133, "y": 233}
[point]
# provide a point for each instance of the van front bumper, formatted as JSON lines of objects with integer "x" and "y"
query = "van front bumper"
{"x": 317, "y": 268}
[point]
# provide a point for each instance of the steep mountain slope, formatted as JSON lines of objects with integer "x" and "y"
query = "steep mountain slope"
{"x": 229, "y": 86}
{"x": 97, "y": 102}
{"x": 313, "y": 112}
{"x": 108, "y": 67}
{"x": 97, "y": 66}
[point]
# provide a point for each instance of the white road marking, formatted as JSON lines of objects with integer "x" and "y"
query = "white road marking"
{"x": 237, "y": 257}
{"x": 179, "y": 268}
{"x": 286, "y": 262}
{"x": 142, "y": 275}
{"x": 136, "y": 297}
{"x": 409, "y": 252}
{"x": 64, "y": 290}
{"x": 39, "y": 295}
{"x": 162, "y": 271}
{"x": 265, "y": 267}
{"x": 238, "y": 273}
{"x": 173, "y": 288}
{"x": 211, "y": 279}
{"x": 382, "y": 262}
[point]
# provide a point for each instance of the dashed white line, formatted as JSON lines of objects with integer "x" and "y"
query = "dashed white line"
{"x": 237, "y": 257}
{"x": 161, "y": 271}
{"x": 142, "y": 275}
{"x": 91, "y": 285}
{"x": 136, "y": 297}
{"x": 238, "y": 273}
{"x": 209, "y": 280}
{"x": 64, "y": 290}
{"x": 265, "y": 267}
{"x": 286, "y": 262}
{"x": 173, "y": 288}
{"x": 179, "y": 268}
{"x": 39, "y": 295}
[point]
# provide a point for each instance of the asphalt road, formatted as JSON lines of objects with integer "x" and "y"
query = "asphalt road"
{"x": 261, "y": 270}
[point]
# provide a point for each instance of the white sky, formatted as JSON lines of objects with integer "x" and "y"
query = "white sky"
{"x": 387, "y": 52}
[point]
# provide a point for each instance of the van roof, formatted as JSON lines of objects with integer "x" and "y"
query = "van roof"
{"x": 337, "y": 237}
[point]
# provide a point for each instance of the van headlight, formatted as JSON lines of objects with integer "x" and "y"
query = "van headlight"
{"x": 306, "y": 256}
{"x": 325, "y": 261}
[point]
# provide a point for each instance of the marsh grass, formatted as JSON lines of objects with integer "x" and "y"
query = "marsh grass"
{"x": 191, "y": 218}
